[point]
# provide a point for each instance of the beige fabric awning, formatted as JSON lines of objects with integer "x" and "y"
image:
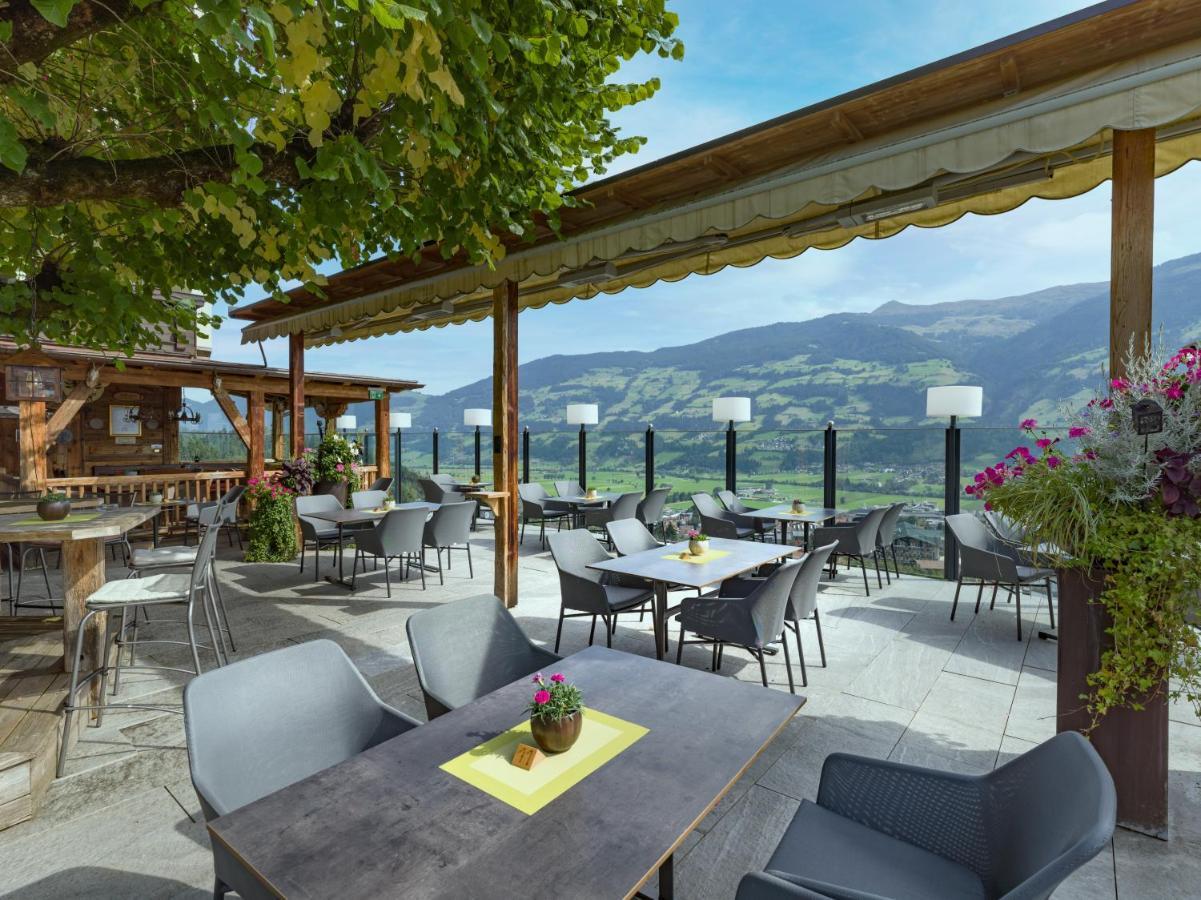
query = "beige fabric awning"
{"x": 1051, "y": 143}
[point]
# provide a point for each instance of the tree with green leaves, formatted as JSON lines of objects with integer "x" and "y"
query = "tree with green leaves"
{"x": 210, "y": 145}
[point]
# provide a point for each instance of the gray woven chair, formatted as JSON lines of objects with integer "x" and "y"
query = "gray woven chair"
{"x": 719, "y": 522}
{"x": 372, "y": 499}
{"x": 752, "y": 622}
{"x": 856, "y": 540}
{"x": 468, "y": 648}
{"x": 733, "y": 504}
{"x": 269, "y": 721}
{"x": 382, "y": 484}
{"x": 450, "y": 529}
{"x": 536, "y": 507}
{"x": 886, "y": 538}
{"x": 587, "y": 592}
{"x": 624, "y": 507}
{"x": 316, "y": 532}
{"x": 568, "y": 489}
{"x": 399, "y": 535}
{"x": 884, "y": 829}
{"x": 435, "y": 491}
{"x": 628, "y": 536}
{"x": 650, "y": 508}
{"x": 987, "y": 560}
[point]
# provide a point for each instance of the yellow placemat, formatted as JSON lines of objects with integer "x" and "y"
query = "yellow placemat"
{"x": 489, "y": 767}
{"x": 73, "y": 517}
{"x": 708, "y": 556}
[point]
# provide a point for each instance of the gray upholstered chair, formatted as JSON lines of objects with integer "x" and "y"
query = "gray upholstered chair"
{"x": 856, "y": 540}
{"x": 371, "y": 499}
{"x": 436, "y": 491}
{"x": 719, "y": 522}
{"x": 733, "y": 504}
{"x": 886, "y": 538}
{"x": 568, "y": 489}
{"x": 650, "y": 508}
{"x": 885, "y": 829}
{"x": 199, "y": 515}
{"x": 450, "y": 529}
{"x": 988, "y": 560}
{"x": 628, "y": 536}
{"x": 752, "y": 622}
{"x": 624, "y": 507}
{"x": 536, "y": 507}
{"x": 269, "y": 721}
{"x": 399, "y": 535}
{"x": 382, "y": 484}
{"x": 468, "y": 648}
{"x": 587, "y": 592}
{"x": 316, "y": 532}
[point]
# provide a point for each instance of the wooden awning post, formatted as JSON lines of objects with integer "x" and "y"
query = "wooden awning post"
{"x": 35, "y": 455}
{"x": 296, "y": 391}
{"x": 1131, "y": 259}
{"x": 383, "y": 458}
{"x": 504, "y": 435}
{"x": 256, "y": 450}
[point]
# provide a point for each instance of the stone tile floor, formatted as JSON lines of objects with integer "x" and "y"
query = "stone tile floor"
{"x": 903, "y": 682}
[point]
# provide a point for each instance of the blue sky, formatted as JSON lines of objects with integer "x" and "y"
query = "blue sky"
{"x": 748, "y": 62}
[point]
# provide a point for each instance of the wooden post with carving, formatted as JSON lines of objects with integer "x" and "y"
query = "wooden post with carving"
{"x": 1131, "y": 262}
{"x": 504, "y": 435}
{"x": 383, "y": 451}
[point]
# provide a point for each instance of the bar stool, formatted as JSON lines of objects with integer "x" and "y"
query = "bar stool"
{"x": 26, "y": 549}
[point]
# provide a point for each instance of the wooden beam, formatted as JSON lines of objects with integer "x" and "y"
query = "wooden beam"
{"x": 67, "y": 411}
{"x": 504, "y": 435}
{"x": 255, "y": 449}
{"x": 172, "y": 399}
{"x": 383, "y": 455}
{"x": 34, "y": 448}
{"x": 279, "y": 442}
{"x": 1131, "y": 262}
{"x": 1011, "y": 79}
{"x": 296, "y": 391}
{"x": 842, "y": 123}
{"x": 221, "y": 395}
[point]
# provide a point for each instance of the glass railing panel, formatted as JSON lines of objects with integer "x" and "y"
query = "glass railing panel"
{"x": 689, "y": 462}
{"x": 617, "y": 461}
{"x": 554, "y": 456}
{"x": 780, "y": 466}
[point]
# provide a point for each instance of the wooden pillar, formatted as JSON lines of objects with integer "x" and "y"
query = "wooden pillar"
{"x": 83, "y": 575}
{"x": 172, "y": 398}
{"x": 256, "y": 451}
{"x": 1133, "y": 222}
{"x": 35, "y": 455}
{"x": 279, "y": 446}
{"x": 504, "y": 435}
{"x": 296, "y": 391}
{"x": 383, "y": 451}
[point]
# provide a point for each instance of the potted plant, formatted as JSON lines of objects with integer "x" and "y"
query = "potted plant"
{"x": 590, "y": 494}
{"x": 698, "y": 542}
{"x": 1120, "y": 517}
{"x": 334, "y": 467}
{"x": 296, "y": 474}
{"x": 556, "y": 713}
{"x": 272, "y": 531}
{"x": 53, "y": 506}
{"x": 798, "y": 507}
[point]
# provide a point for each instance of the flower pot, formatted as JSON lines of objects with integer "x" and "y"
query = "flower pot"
{"x": 155, "y": 497}
{"x": 54, "y": 510}
{"x": 698, "y": 548}
{"x": 556, "y": 735}
{"x": 1133, "y": 743}
{"x": 335, "y": 488}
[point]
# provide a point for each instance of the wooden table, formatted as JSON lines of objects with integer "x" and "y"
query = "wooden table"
{"x": 82, "y": 547}
{"x": 656, "y": 566}
{"x": 344, "y": 517}
{"x": 391, "y": 823}
{"x": 783, "y": 515}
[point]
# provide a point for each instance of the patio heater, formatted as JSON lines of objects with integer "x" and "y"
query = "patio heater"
{"x": 955, "y": 401}
{"x": 402, "y": 420}
{"x": 477, "y": 417}
{"x": 583, "y": 414}
{"x": 731, "y": 410}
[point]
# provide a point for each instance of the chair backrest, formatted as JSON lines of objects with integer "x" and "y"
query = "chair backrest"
{"x": 451, "y": 523}
{"x": 625, "y": 506}
{"x": 315, "y": 503}
{"x": 630, "y": 536}
{"x": 260, "y": 724}
{"x": 888, "y": 524}
{"x": 400, "y": 531}
{"x": 371, "y": 499}
{"x": 650, "y": 510}
{"x": 768, "y": 604}
{"x": 467, "y": 648}
{"x": 1050, "y": 811}
{"x": 981, "y": 554}
{"x": 707, "y": 506}
{"x": 382, "y": 484}
{"x": 532, "y": 490}
{"x": 579, "y": 586}
{"x": 802, "y": 601}
{"x": 447, "y": 481}
{"x": 568, "y": 488}
{"x": 867, "y": 530}
{"x": 1004, "y": 527}
{"x": 712, "y": 526}
{"x": 731, "y": 502}
{"x": 432, "y": 490}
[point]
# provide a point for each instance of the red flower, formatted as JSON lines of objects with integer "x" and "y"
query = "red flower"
{"x": 542, "y": 698}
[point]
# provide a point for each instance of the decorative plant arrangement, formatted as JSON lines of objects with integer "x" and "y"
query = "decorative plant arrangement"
{"x": 53, "y": 506}
{"x": 556, "y": 713}
{"x": 297, "y": 474}
{"x": 698, "y": 542}
{"x": 272, "y": 529}
{"x": 334, "y": 465}
{"x": 1124, "y": 509}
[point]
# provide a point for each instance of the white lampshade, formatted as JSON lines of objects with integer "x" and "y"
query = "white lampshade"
{"x": 583, "y": 413}
{"x": 477, "y": 417}
{"x": 402, "y": 420}
{"x": 347, "y": 423}
{"x": 731, "y": 409}
{"x": 955, "y": 400}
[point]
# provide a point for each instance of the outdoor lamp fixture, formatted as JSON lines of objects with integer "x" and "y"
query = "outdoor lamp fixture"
{"x": 185, "y": 415}
{"x": 477, "y": 417}
{"x": 731, "y": 410}
{"x": 953, "y": 400}
{"x": 402, "y": 421}
{"x": 346, "y": 423}
{"x": 583, "y": 414}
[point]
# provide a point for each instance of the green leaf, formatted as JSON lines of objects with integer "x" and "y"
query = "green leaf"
{"x": 55, "y": 11}
{"x": 12, "y": 153}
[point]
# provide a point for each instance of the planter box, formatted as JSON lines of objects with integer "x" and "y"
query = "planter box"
{"x": 1134, "y": 744}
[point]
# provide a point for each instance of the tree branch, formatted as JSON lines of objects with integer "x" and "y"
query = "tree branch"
{"x": 34, "y": 37}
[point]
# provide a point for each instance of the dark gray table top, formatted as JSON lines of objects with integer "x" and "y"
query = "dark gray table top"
{"x": 783, "y": 512}
{"x": 581, "y": 500}
{"x": 742, "y": 556}
{"x": 390, "y": 823}
{"x": 354, "y": 516}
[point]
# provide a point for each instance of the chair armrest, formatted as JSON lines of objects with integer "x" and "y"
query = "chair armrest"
{"x": 765, "y": 886}
{"x": 583, "y": 594}
{"x": 979, "y": 563}
{"x": 943, "y": 812}
{"x": 835, "y": 534}
{"x": 724, "y": 618}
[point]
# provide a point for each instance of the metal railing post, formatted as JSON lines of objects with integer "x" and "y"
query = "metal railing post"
{"x": 477, "y": 451}
{"x": 731, "y": 457}
{"x": 830, "y": 468}
{"x": 525, "y": 454}
{"x": 950, "y": 559}
{"x": 434, "y": 467}
{"x": 583, "y": 458}
{"x": 400, "y": 469}
{"x": 650, "y": 458}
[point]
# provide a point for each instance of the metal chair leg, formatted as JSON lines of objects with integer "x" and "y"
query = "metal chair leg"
{"x": 821, "y": 644}
{"x": 762, "y": 668}
{"x": 955, "y": 602}
{"x": 788, "y": 659}
{"x": 558, "y": 630}
{"x": 863, "y": 566}
{"x": 1018, "y": 588}
{"x": 470, "y": 567}
{"x": 1050, "y": 603}
{"x": 800, "y": 650}
{"x": 592, "y": 631}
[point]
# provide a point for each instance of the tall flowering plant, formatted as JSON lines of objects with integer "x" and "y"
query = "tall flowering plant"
{"x": 272, "y": 531}
{"x": 1126, "y": 507}
{"x": 335, "y": 459}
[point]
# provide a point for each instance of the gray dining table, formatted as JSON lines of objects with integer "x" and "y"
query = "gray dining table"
{"x": 781, "y": 515}
{"x": 664, "y": 567}
{"x": 350, "y": 517}
{"x": 577, "y": 503}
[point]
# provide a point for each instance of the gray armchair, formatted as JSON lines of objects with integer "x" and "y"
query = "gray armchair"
{"x": 316, "y": 532}
{"x": 382, "y": 484}
{"x": 886, "y": 538}
{"x": 884, "y": 829}
{"x": 627, "y": 536}
{"x": 436, "y": 491}
{"x": 623, "y": 507}
{"x": 650, "y": 509}
{"x": 568, "y": 489}
{"x": 263, "y": 723}
{"x": 988, "y": 560}
{"x": 586, "y": 591}
{"x": 371, "y": 499}
{"x": 857, "y": 540}
{"x": 399, "y": 536}
{"x": 733, "y": 504}
{"x": 450, "y": 529}
{"x": 751, "y": 622}
{"x": 536, "y": 507}
{"x": 468, "y": 648}
{"x": 718, "y": 522}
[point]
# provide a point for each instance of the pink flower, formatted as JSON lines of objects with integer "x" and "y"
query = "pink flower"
{"x": 1078, "y": 431}
{"x": 970, "y": 490}
{"x": 542, "y": 698}
{"x": 537, "y": 679}
{"x": 1044, "y": 443}
{"x": 1107, "y": 403}
{"x": 339, "y": 467}
{"x": 1120, "y": 384}
{"x": 558, "y": 678}
{"x": 1174, "y": 391}
{"x": 1052, "y": 462}
{"x": 1028, "y": 424}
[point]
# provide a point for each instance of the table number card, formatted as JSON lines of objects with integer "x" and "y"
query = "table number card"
{"x": 527, "y": 756}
